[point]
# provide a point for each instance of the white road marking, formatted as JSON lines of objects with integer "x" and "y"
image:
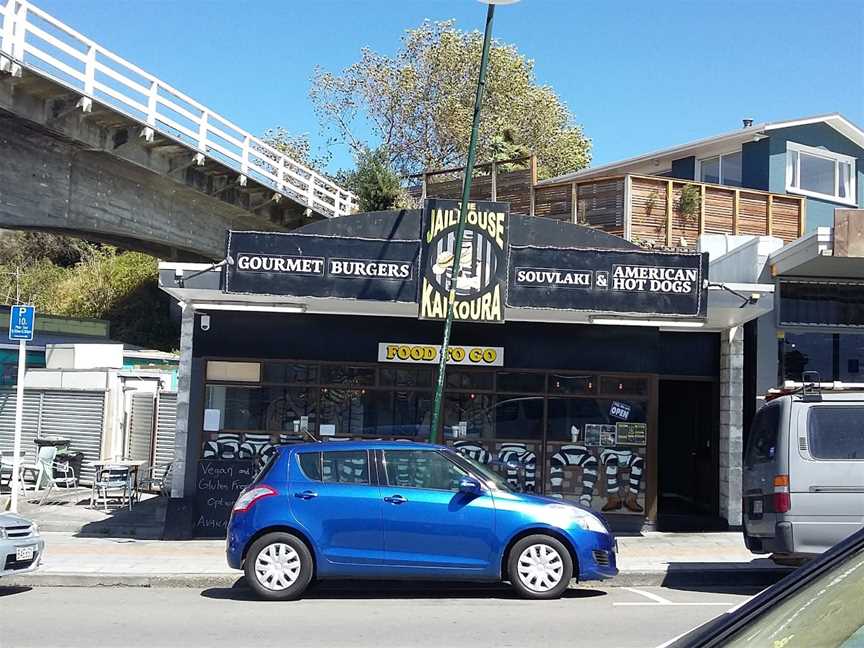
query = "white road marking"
{"x": 656, "y": 600}
{"x": 649, "y": 595}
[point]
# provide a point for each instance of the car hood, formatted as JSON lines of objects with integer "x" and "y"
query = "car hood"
{"x": 13, "y": 519}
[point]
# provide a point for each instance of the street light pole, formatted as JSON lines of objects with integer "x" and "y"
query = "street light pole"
{"x": 460, "y": 230}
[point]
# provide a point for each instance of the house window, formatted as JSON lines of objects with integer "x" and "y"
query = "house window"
{"x": 820, "y": 173}
{"x": 721, "y": 169}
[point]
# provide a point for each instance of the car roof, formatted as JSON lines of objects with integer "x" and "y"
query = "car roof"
{"x": 318, "y": 446}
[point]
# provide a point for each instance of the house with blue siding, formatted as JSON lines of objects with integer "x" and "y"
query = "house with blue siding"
{"x": 820, "y": 158}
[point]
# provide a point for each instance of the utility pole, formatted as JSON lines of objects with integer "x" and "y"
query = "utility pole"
{"x": 463, "y": 210}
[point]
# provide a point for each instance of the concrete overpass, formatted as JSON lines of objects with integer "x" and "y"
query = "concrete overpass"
{"x": 93, "y": 146}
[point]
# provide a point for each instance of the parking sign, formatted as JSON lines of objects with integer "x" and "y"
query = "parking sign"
{"x": 21, "y": 322}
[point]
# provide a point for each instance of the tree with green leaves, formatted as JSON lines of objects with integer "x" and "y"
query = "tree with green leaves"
{"x": 418, "y": 104}
{"x": 376, "y": 184}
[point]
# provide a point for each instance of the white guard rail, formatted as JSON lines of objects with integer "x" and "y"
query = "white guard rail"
{"x": 39, "y": 42}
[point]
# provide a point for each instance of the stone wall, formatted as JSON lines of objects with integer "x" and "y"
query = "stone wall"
{"x": 731, "y": 422}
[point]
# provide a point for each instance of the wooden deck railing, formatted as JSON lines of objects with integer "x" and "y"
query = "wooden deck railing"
{"x": 644, "y": 209}
{"x": 650, "y": 210}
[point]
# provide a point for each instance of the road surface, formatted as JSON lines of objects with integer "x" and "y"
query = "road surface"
{"x": 354, "y": 616}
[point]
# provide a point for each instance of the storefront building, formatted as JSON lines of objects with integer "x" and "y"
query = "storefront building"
{"x": 582, "y": 367}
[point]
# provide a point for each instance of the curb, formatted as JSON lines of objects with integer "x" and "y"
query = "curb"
{"x": 679, "y": 578}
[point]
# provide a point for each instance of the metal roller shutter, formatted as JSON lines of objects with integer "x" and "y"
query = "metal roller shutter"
{"x": 140, "y": 438}
{"x": 7, "y": 421}
{"x": 79, "y": 417}
{"x": 166, "y": 425}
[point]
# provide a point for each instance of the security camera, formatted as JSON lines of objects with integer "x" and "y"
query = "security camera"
{"x": 205, "y": 322}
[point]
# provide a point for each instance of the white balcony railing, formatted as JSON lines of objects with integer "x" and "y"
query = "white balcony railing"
{"x": 39, "y": 42}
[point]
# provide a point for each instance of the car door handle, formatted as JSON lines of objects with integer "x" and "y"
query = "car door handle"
{"x": 395, "y": 499}
{"x": 307, "y": 494}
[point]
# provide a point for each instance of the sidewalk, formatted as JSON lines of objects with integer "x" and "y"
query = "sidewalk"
{"x": 652, "y": 559}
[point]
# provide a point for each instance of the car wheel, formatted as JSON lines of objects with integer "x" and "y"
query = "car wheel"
{"x": 539, "y": 567}
{"x": 278, "y": 566}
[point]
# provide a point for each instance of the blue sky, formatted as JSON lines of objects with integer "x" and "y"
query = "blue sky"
{"x": 637, "y": 75}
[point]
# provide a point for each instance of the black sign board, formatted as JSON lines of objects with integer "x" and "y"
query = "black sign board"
{"x": 480, "y": 289}
{"x": 308, "y": 265}
{"x": 219, "y": 485}
{"x": 612, "y": 281}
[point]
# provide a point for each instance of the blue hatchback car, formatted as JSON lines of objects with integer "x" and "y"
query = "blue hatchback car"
{"x": 389, "y": 510}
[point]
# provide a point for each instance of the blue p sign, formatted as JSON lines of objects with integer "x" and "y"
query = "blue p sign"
{"x": 21, "y": 322}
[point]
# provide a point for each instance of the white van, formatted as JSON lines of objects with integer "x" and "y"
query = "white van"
{"x": 803, "y": 478}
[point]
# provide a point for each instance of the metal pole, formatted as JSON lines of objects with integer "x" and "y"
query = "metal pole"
{"x": 460, "y": 230}
{"x": 19, "y": 411}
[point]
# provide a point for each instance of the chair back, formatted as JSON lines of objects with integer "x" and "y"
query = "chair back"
{"x": 46, "y": 455}
{"x": 113, "y": 474}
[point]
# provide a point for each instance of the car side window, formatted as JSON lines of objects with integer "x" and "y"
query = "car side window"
{"x": 310, "y": 465}
{"x": 762, "y": 446}
{"x": 345, "y": 467}
{"x": 421, "y": 469}
{"x": 836, "y": 433}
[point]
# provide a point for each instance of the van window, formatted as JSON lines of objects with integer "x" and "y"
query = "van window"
{"x": 836, "y": 432}
{"x": 763, "y": 435}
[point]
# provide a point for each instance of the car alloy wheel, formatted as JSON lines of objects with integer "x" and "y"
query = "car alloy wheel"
{"x": 540, "y": 567}
{"x": 277, "y": 566}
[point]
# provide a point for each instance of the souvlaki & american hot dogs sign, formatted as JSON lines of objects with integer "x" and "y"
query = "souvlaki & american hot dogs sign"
{"x": 479, "y": 290}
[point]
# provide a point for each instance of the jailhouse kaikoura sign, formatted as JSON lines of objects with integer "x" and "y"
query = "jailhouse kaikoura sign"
{"x": 480, "y": 288}
{"x": 617, "y": 281}
{"x": 306, "y": 265}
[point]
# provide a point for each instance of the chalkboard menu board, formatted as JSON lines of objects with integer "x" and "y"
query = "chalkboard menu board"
{"x": 219, "y": 485}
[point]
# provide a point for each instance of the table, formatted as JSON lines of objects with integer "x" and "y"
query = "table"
{"x": 134, "y": 466}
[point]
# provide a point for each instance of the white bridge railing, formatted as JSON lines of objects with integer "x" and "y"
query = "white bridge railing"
{"x": 34, "y": 39}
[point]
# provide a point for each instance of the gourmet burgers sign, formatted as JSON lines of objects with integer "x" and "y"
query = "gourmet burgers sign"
{"x": 479, "y": 290}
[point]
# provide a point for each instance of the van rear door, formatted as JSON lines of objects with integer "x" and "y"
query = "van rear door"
{"x": 762, "y": 462}
{"x": 826, "y": 478}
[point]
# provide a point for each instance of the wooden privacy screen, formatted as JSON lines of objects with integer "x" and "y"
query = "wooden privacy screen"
{"x": 645, "y": 209}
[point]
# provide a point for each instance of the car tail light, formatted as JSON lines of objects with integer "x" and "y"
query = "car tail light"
{"x": 247, "y": 499}
{"x": 782, "y": 499}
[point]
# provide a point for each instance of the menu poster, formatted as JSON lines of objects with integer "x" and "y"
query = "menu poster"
{"x": 608, "y": 437}
{"x": 632, "y": 434}
{"x": 219, "y": 484}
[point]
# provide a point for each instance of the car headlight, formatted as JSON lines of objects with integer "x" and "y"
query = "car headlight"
{"x": 583, "y": 518}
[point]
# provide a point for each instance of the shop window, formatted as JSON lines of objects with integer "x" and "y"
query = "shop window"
{"x": 480, "y": 380}
{"x": 800, "y": 352}
{"x": 421, "y": 469}
{"x": 571, "y": 384}
{"x": 836, "y": 433}
{"x": 310, "y": 465}
{"x": 348, "y": 376}
{"x": 233, "y": 371}
{"x": 518, "y": 417}
{"x": 511, "y": 381}
{"x": 345, "y": 467}
{"x": 354, "y": 412}
{"x": 407, "y": 376}
{"x": 468, "y": 415}
{"x": 804, "y": 303}
{"x": 613, "y": 386}
{"x": 270, "y": 409}
{"x": 290, "y": 373}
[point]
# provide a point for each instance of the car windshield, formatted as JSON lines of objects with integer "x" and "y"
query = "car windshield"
{"x": 826, "y": 613}
{"x": 488, "y": 474}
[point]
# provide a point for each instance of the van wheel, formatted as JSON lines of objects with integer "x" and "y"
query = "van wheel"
{"x": 539, "y": 567}
{"x": 278, "y": 566}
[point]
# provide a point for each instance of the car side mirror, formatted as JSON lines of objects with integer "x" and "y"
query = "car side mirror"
{"x": 470, "y": 486}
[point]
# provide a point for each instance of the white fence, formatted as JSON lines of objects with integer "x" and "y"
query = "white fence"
{"x": 41, "y": 43}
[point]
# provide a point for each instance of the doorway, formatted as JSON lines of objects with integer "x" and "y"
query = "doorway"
{"x": 687, "y": 452}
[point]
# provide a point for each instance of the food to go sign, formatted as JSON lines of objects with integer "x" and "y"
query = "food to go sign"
{"x": 479, "y": 356}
